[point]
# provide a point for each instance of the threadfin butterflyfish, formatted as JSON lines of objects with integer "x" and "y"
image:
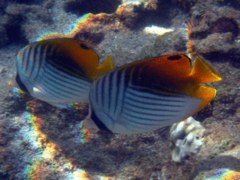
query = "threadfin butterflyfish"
{"x": 59, "y": 71}
{"x": 150, "y": 94}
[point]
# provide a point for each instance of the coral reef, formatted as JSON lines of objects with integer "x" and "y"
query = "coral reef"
{"x": 215, "y": 30}
{"x": 82, "y": 7}
{"x": 187, "y": 138}
{"x": 39, "y": 141}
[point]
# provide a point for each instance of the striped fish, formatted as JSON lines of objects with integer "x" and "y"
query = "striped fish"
{"x": 150, "y": 94}
{"x": 59, "y": 71}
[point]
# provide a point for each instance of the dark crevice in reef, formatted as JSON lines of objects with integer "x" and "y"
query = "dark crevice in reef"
{"x": 4, "y": 176}
{"x": 94, "y": 38}
{"x": 199, "y": 35}
{"x": 223, "y": 25}
{"x": 205, "y": 113}
{"x": 3, "y": 5}
{"x": 81, "y": 7}
{"x": 231, "y": 3}
{"x": 14, "y": 31}
{"x": 26, "y": 1}
{"x": 232, "y": 57}
{"x": 184, "y": 5}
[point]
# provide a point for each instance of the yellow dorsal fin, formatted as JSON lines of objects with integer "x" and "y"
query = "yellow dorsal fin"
{"x": 204, "y": 73}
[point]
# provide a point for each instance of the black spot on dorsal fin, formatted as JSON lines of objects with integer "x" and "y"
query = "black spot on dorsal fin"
{"x": 174, "y": 57}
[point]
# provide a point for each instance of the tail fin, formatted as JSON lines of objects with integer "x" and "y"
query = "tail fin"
{"x": 108, "y": 63}
{"x": 203, "y": 72}
{"x": 105, "y": 67}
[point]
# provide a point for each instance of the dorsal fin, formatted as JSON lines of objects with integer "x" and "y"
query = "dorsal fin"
{"x": 204, "y": 73}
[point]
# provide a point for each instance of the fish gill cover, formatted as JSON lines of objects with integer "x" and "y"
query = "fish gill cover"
{"x": 39, "y": 141}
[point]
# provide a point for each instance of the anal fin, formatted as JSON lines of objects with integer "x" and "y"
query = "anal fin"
{"x": 205, "y": 93}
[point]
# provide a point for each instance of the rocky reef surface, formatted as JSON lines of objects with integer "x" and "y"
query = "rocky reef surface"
{"x": 38, "y": 141}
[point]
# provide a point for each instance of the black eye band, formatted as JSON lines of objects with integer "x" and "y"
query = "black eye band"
{"x": 84, "y": 46}
{"x": 174, "y": 58}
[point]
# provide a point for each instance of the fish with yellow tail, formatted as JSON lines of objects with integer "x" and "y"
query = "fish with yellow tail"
{"x": 150, "y": 94}
{"x": 59, "y": 71}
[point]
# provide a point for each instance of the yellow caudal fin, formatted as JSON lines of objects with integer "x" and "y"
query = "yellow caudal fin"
{"x": 105, "y": 67}
{"x": 203, "y": 72}
{"x": 205, "y": 93}
{"x": 108, "y": 63}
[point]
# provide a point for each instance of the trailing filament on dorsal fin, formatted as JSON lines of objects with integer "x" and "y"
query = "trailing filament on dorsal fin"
{"x": 203, "y": 73}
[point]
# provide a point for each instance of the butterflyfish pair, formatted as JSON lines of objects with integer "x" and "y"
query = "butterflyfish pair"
{"x": 150, "y": 94}
{"x": 138, "y": 97}
{"x": 59, "y": 71}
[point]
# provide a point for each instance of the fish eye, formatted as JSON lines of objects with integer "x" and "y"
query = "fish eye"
{"x": 84, "y": 46}
{"x": 174, "y": 58}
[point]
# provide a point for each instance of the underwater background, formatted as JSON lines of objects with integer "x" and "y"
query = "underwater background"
{"x": 39, "y": 141}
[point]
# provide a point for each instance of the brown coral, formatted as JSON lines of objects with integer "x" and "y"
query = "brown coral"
{"x": 224, "y": 25}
